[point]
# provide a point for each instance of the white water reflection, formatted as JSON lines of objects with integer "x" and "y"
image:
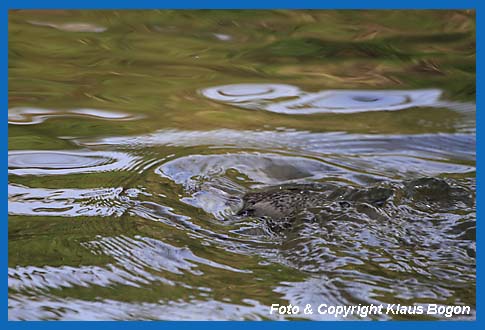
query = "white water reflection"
{"x": 314, "y": 290}
{"x": 137, "y": 261}
{"x": 60, "y": 162}
{"x": 92, "y": 202}
{"x": 140, "y": 254}
{"x": 31, "y": 116}
{"x": 24, "y": 200}
{"x": 441, "y": 145}
{"x": 404, "y": 165}
{"x": 264, "y": 97}
{"x": 23, "y": 307}
{"x": 34, "y": 278}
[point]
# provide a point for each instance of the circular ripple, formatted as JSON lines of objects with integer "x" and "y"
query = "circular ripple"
{"x": 238, "y": 93}
{"x": 28, "y": 162}
{"x": 352, "y": 101}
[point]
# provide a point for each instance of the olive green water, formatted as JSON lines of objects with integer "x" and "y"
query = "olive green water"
{"x": 134, "y": 135}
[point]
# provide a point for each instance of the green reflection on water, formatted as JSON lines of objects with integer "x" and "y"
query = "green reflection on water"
{"x": 152, "y": 63}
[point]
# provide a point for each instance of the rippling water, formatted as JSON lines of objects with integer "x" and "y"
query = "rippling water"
{"x": 135, "y": 138}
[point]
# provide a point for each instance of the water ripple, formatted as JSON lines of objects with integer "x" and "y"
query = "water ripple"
{"x": 352, "y": 101}
{"x": 442, "y": 145}
{"x": 26, "y": 308}
{"x": 60, "y": 162}
{"x": 258, "y": 97}
{"x": 31, "y": 116}
{"x": 24, "y": 200}
{"x": 240, "y": 93}
{"x": 140, "y": 253}
{"x": 48, "y": 277}
{"x": 137, "y": 261}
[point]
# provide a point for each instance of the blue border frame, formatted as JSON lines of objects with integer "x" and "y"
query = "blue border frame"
{"x": 6, "y": 5}
{"x": 248, "y": 4}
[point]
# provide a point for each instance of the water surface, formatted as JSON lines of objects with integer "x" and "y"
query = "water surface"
{"x": 134, "y": 135}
